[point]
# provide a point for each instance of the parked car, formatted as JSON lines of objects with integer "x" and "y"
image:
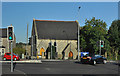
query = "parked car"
{"x": 7, "y": 56}
{"x": 93, "y": 59}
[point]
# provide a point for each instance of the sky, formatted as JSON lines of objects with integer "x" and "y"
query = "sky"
{"x": 19, "y": 14}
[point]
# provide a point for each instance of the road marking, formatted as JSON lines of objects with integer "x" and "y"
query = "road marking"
{"x": 47, "y": 68}
{"x": 21, "y": 72}
{"x": 30, "y": 61}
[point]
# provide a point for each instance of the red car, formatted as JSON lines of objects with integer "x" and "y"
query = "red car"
{"x": 7, "y": 56}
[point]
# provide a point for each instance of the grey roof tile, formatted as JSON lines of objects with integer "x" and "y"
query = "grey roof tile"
{"x": 59, "y": 30}
{"x": 3, "y": 32}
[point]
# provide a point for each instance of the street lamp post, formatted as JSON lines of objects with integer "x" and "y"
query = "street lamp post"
{"x": 78, "y": 37}
{"x": 78, "y": 44}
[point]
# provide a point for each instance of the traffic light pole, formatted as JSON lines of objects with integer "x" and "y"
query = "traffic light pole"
{"x": 100, "y": 48}
{"x": 10, "y": 38}
{"x": 11, "y": 57}
{"x": 32, "y": 47}
{"x": 51, "y": 49}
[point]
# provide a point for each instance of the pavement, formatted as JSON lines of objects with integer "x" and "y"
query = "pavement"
{"x": 44, "y": 60}
{"x": 8, "y": 71}
{"x": 112, "y": 61}
{"x": 56, "y": 60}
{"x": 51, "y": 60}
{"x": 23, "y": 61}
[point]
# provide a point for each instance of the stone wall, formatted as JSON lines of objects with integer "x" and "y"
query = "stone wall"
{"x": 62, "y": 45}
{"x": 7, "y": 45}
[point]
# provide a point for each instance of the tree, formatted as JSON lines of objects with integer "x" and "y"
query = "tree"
{"x": 82, "y": 40}
{"x": 90, "y": 34}
{"x": 119, "y": 34}
{"x": 20, "y": 44}
{"x": 114, "y": 36}
{"x": 18, "y": 51}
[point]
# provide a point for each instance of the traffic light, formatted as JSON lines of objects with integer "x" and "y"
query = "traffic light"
{"x": 55, "y": 44}
{"x": 102, "y": 43}
{"x": 10, "y": 34}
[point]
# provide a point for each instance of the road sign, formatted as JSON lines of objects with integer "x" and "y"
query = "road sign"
{"x": 84, "y": 53}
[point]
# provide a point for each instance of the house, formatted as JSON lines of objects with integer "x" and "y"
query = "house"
{"x": 62, "y": 35}
{"x": 4, "y": 43}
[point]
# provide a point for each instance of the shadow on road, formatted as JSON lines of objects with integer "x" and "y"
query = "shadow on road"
{"x": 116, "y": 64}
{"x": 77, "y": 62}
{"x": 14, "y": 64}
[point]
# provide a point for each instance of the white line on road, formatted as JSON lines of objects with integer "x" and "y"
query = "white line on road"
{"x": 21, "y": 72}
{"x": 30, "y": 61}
{"x": 47, "y": 68}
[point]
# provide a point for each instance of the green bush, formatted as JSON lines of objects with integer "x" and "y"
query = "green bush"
{"x": 59, "y": 58}
{"x": 18, "y": 51}
{"x": 70, "y": 58}
{"x": 111, "y": 57}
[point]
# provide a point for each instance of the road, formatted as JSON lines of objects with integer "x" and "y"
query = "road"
{"x": 62, "y": 67}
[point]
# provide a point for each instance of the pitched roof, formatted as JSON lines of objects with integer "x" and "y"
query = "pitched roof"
{"x": 3, "y": 32}
{"x": 59, "y": 30}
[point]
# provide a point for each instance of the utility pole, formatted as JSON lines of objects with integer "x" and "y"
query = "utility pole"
{"x": 78, "y": 44}
{"x": 32, "y": 47}
{"x": 26, "y": 41}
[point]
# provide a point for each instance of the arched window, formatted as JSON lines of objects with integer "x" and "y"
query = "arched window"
{"x": 42, "y": 51}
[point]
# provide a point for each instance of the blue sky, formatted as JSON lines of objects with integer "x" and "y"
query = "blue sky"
{"x": 21, "y": 13}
